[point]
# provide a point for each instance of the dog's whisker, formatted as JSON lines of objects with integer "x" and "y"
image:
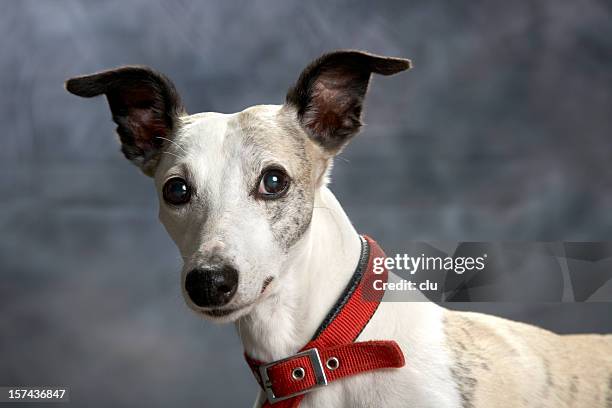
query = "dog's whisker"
{"x": 343, "y": 159}
{"x": 175, "y": 155}
{"x": 239, "y": 328}
{"x": 173, "y": 142}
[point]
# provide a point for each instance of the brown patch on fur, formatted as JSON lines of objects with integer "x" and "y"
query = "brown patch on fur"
{"x": 549, "y": 379}
{"x": 524, "y": 366}
{"x": 468, "y": 363}
{"x": 269, "y": 134}
{"x": 573, "y": 389}
{"x": 609, "y": 396}
{"x": 466, "y": 382}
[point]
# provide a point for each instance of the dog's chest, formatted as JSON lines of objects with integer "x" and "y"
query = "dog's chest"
{"x": 425, "y": 380}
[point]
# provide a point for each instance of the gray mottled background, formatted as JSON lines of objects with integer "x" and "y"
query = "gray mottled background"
{"x": 502, "y": 131}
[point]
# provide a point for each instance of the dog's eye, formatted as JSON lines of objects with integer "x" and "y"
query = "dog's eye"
{"x": 176, "y": 191}
{"x": 273, "y": 183}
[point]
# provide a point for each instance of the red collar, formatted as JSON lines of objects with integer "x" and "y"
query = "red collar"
{"x": 332, "y": 353}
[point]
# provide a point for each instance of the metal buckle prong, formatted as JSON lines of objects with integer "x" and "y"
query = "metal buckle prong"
{"x": 317, "y": 366}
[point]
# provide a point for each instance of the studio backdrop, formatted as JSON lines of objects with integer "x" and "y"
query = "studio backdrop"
{"x": 500, "y": 133}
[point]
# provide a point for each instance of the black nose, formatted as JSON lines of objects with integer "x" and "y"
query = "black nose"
{"x": 213, "y": 286}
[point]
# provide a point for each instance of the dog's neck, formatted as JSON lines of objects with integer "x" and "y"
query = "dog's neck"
{"x": 319, "y": 268}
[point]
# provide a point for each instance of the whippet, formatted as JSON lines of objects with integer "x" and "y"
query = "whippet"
{"x": 266, "y": 245}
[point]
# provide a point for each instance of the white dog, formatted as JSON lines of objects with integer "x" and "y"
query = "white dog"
{"x": 266, "y": 245}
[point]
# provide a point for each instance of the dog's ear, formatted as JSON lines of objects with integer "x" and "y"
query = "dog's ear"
{"x": 144, "y": 104}
{"x": 329, "y": 94}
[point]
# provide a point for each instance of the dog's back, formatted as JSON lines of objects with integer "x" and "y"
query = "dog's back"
{"x": 498, "y": 362}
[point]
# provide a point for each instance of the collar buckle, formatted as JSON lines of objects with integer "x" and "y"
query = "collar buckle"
{"x": 317, "y": 366}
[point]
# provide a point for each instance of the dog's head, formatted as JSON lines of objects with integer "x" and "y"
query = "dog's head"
{"x": 236, "y": 191}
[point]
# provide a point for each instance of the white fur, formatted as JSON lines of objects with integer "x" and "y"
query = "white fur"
{"x": 283, "y": 324}
{"x": 205, "y": 153}
{"x": 308, "y": 279}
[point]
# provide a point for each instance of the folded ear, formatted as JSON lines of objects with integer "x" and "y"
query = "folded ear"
{"x": 329, "y": 94}
{"x": 144, "y": 104}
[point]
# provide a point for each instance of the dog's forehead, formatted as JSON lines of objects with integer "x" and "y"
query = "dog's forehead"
{"x": 264, "y": 132}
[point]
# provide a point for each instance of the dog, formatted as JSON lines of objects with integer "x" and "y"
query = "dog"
{"x": 266, "y": 245}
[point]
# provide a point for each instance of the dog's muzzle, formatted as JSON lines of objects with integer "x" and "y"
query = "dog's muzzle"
{"x": 211, "y": 286}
